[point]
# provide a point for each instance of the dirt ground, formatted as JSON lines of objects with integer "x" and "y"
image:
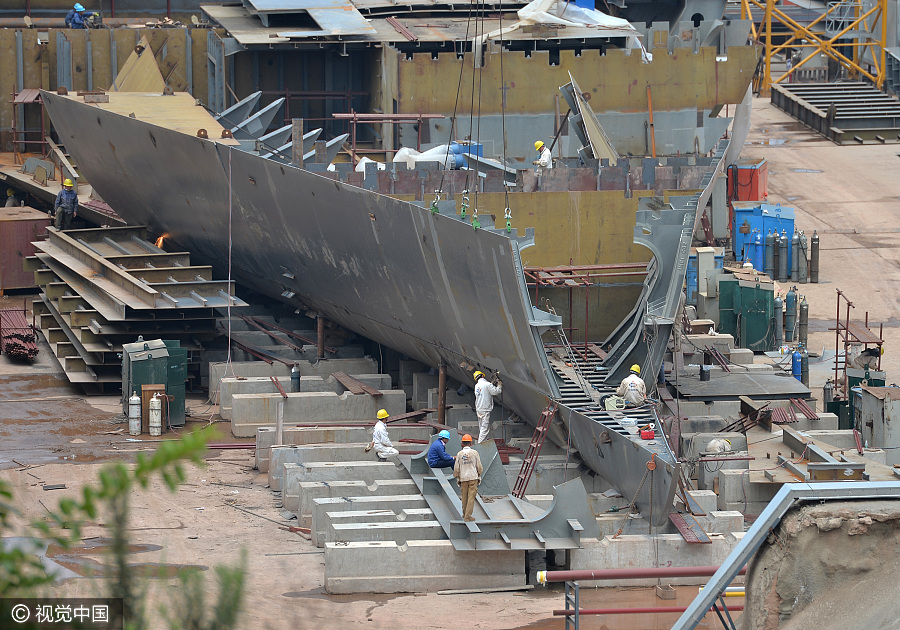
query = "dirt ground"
{"x": 848, "y": 193}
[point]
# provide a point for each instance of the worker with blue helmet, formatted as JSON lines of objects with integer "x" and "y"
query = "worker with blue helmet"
{"x": 78, "y": 17}
{"x": 437, "y": 452}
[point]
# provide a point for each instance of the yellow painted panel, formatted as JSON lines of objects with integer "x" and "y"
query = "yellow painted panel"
{"x": 101, "y": 67}
{"x": 199, "y": 61}
{"x": 615, "y": 81}
{"x": 7, "y": 85}
{"x": 140, "y": 73}
{"x": 78, "y": 39}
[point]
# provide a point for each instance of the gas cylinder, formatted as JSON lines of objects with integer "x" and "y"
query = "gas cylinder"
{"x": 769, "y": 267}
{"x": 803, "y": 325}
{"x": 295, "y": 378}
{"x": 759, "y": 254}
{"x": 796, "y": 364}
{"x": 790, "y": 314}
{"x": 804, "y": 365}
{"x": 814, "y": 258}
{"x": 779, "y": 322}
{"x": 804, "y": 262}
{"x": 155, "y": 416}
{"x": 776, "y": 254}
{"x": 795, "y": 256}
{"x": 783, "y": 258}
{"x": 134, "y": 415}
{"x": 828, "y": 392}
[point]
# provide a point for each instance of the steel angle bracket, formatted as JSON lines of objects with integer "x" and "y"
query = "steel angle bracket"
{"x": 254, "y": 126}
{"x": 502, "y": 522}
{"x": 240, "y": 110}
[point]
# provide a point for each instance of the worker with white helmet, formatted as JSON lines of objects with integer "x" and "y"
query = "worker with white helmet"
{"x": 66, "y": 206}
{"x": 380, "y": 439}
{"x": 437, "y": 452}
{"x": 78, "y": 17}
{"x": 632, "y": 388}
{"x": 484, "y": 402}
{"x": 546, "y": 158}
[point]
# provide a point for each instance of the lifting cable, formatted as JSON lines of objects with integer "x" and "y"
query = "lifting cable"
{"x": 507, "y": 213}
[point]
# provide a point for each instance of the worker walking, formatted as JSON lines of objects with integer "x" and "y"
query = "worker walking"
{"x": 78, "y": 17}
{"x": 484, "y": 402}
{"x": 437, "y": 452}
{"x": 546, "y": 158}
{"x": 632, "y": 388}
{"x": 66, "y": 206}
{"x": 380, "y": 439}
{"x": 467, "y": 471}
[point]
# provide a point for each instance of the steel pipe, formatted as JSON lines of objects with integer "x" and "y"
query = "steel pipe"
{"x": 545, "y": 577}
{"x": 632, "y": 611}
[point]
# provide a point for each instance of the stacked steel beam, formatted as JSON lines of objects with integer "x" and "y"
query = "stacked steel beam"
{"x": 17, "y": 337}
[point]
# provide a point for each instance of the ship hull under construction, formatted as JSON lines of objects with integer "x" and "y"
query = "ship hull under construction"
{"x": 424, "y": 284}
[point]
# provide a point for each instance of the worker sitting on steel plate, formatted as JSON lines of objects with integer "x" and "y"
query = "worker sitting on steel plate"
{"x": 437, "y": 453}
{"x": 12, "y": 200}
{"x": 484, "y": 402}
{"x": 632, "y": 388}
{"x": 66, "y": 206}
{"x": 78, "y": 17}
{"x": 546, "y": 159}
{"x": 380, "y": 439}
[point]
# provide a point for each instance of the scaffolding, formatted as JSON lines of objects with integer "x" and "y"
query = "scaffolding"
{"x": 579, "y": 277}
{"x": 853, "y": 33}
{"x": 848, "y": 334}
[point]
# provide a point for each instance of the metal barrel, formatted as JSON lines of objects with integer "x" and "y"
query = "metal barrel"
{"x": 804, "y": 262}
{"x": 796, "y": 365}
{"x": 783, "y": 256}
{"x": 803, "y": 326}
{"x": 795, "y": 257}
{"x": 779, "y": 322}
{"x": 804, "y": 365}
{"x": 776, "y": 255}
{"x": 769, "y": 264}
{"x": 814, "y": 258}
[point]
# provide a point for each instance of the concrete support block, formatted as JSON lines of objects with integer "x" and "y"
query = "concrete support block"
{"x": 692, "y": 444}
{"x": 452, "y": 397}
{"x": 408, "y": 367}
{"x": 723, "y": 408}
{"x": 708, "y": 471}
{"x": 388, "y": 503}
{"x": 251, "y": 411}
{"x": 264, "y": 385}
{"x": 706, "y": 499}
{"x": 421, "y": 383}
{"x": 367, "y": 471}
{"x": 399, "y": 532}
{"x": 247, "y": 369}
{"x": 418, "y": 566}
{"x": 703, "y": 424}
{"x": 309, "y": 491}
{"x": 455, "y": 414}
{"x": 720, "y": 522}
{"x": 722, "y": 343}
{"x": 841, "y": 439}
{"x": 825, "y": 422}
{"x": 735, "y": 489}
{"x": 639, "y": 551}
{"x": 741, "y": 356}
{"x": 265, "y": 440}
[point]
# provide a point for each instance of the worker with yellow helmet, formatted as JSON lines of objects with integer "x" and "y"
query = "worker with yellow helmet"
{"x": 484, "y": 402}
{"x": 12, "y": 200}
{"x": 546, "y": 158}
{"x": 66, "y": 207}
{"x": 633, "y": 389}
{"x": 380, "y": 439}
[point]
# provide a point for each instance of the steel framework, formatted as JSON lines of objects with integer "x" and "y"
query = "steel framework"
{"x": 847, "y": 334}
{"x": 860, "y": 21}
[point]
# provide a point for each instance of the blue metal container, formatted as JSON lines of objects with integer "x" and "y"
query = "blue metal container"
{"x": 754, "y": 217}
{"x": 796, "y": 364}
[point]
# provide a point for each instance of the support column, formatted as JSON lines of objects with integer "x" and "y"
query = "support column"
{"x": 442, "y": 393}
{"x": 320, "y": 337}
{"x": 297, "y": 142}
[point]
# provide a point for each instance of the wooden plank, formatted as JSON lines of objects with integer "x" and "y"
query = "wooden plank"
{"x": 355, "y": 385}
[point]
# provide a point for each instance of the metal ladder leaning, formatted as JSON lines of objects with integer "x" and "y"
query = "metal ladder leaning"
{"x": 534, "y": 449}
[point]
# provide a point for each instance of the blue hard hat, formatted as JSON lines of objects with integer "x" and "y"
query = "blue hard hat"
{"x": 78, "y": 7}
{"x": 444, "y": 434}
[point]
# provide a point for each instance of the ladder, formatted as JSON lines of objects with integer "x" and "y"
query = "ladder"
{"x": 580, "y": 380}
{"x": 534, "y": 449}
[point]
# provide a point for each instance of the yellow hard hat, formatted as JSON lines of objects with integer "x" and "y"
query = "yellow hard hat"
{"x": 382, "y": 414}
{"x": 477, "y": 375}
{"x": 10, "y": 192}
{"x": 68, "y": 182}
{"x": 537, "y": 145}
{"x": 636, "y": 368}
{"x": 881, "y": 349}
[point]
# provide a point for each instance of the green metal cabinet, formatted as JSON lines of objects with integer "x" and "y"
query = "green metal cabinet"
{"x": 175, "y": 384}
{"x": 747, "y": 311}
{"x": 143, "y": 363}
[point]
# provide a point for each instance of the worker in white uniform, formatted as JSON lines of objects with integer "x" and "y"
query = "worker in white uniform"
{"x": 632, "y": 388}
{"x": 484, "y": 402}
{"x": 380, "y": 439}
{"x": 546, "y": 158}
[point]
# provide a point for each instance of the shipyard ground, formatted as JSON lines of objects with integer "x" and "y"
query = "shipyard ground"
{"x": 848, "y": 193}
